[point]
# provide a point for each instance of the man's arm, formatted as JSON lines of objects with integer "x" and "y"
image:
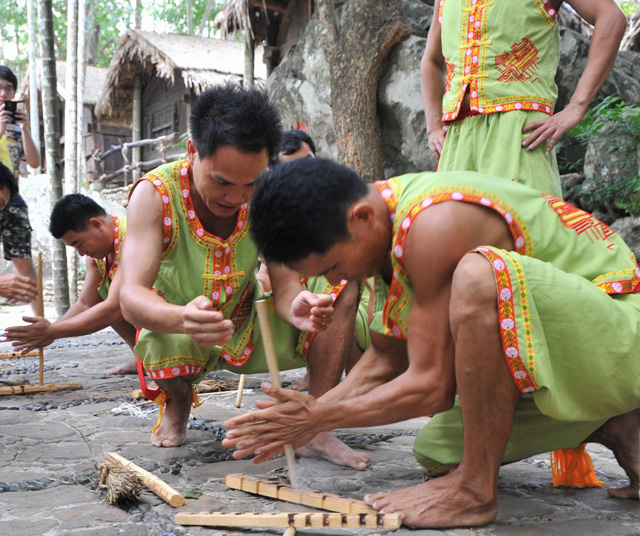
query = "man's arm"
{"x": 432, "y": 73}
{"x": 31, "y": 153}
{"x": 609, "y": 24}
{"x": 88, "y": 315}
{"x": 140, "y": 263}
{"x": 425, "y": 387}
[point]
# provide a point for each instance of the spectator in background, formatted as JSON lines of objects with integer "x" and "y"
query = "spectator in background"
{"x": 16, "y": 145}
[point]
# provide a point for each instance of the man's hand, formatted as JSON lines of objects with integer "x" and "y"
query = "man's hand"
{"x": 32, "y": 336}
{"x": 5, "y": 117}
{"x": 18, "y": 288}
{"x": 22, "y": 119}
{"x": 265, "y": 432}
{"x": 311, "y": 312}
{"x": 436, "y": 140}
{"x": 205, "y": 326}
{"x": 553, "y": 128}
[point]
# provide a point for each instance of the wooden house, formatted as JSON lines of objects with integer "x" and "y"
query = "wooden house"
{"x": 95, "y": 134}
{"x": 153, "y": 79}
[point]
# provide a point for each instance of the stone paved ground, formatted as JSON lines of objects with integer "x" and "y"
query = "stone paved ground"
{"x": 50, "y": 444}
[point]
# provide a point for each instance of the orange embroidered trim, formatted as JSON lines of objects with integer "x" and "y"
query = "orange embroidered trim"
{"x": 396, "y": 300}
{"x": 522, "y": 369}
{"x": 306, "y": 338}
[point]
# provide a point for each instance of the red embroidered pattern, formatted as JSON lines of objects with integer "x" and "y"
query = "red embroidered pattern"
{"x": 520, "y": 64}
{"x": 306, "y": 338}
{"x": 451, "y": 71}
{"x": 397, "y": 300}
{"x": 522, "y": 370}
{"x": 173, "y": 372}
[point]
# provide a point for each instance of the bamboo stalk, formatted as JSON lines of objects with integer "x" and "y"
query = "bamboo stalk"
{"x": 243, "y": 377}
{"x": 293, "y": 519}
{"x": 272, "y": 364}
{"x": 290, "y": 531}
{"x": 322, "y": 501}
{"x": 155, "y": 484}
{"x": 48, "y": 388}
{"x": 10, "y": 355}
{"x": 40, "y": 313}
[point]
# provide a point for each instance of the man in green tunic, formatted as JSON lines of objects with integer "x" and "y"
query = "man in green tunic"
{"x": 81, "y": 223}
{"x": 189, "y": 270}
{"x": 489, "y": 290}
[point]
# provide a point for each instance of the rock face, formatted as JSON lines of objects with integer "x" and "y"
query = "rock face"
{"x": 629, "y": 230}
{"x": 300, "y": 88}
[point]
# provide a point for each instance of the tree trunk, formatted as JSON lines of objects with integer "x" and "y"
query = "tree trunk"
{"x": 205, "y": 17}
{"x": 249, "y": 59}
{"x": 357, "y": 59}
{"x": 138, "y": 15}
{"x": 34, "y": 112}
{"x": 189, "y": 18}
{"x": 71, "y": 131}
{"x": 52, "y": 144}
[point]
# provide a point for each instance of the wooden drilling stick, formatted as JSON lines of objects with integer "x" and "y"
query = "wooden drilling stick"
{"x": 295, "y": 519}
{"x": 40, "y": 313}
{"x": 243, "y": 378}
{"x": 158, "y": 486}
{"x": 322, "y": 501}
{"x": 272, "y": 364}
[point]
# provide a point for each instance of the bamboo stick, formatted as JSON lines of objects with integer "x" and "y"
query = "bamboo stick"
{"x": 293, "y": 519}
{"x": 10, "y": 355}
{"x": 48, "y": 388}
{"x": 155, "y": 484}
{"x": 272, "y": 364}
{"x": 290, "y": 531}
{"x": 322, "y": 501}
{"x": 40, "y": 313}
{"x": 243, "y": 377}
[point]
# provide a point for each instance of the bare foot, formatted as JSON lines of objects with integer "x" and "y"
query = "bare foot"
{"x": 445, "y": 502}
{"x": 326, "y": 445}
{"x": 303, "y": 384}
{"x": 172, "y": 431}
{"x": 128, "y": 368}
{"x": 621, "y": 435}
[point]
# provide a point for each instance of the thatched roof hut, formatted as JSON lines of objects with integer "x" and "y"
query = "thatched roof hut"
{"x": 278, "y": 24}
{"x": 191, "y": 61}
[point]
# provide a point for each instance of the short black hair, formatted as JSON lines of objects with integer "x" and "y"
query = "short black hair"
{"x": 292, "y": 140}
{"x": 231, "y": 115}
{"x": 72, "y": 213}
{"x": 300, "y": 208}
{"x": 8, "y": 180}
{"x": 8, "y": 75}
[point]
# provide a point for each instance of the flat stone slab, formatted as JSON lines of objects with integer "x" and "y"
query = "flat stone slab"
{"x": 51, "y": 443}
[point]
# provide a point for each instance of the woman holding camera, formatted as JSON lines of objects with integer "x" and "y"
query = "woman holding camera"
{"x": 16, "y": 144}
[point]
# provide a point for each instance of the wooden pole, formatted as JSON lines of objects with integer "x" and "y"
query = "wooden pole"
{"x": 331, "y": 520}
{"x": 290, "y": 531}
{"x": 322, "y": 501}
{"x": 158, "y": 486}
{"x": 272, "y": 364}
{"x": 243, "y": 378}
{"x": 40, "y": 313}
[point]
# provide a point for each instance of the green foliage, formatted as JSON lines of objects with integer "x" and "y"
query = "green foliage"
{"x": 622, "y": 121}
{"x": 109, "y": 18}
{"x": 628, "y": 6}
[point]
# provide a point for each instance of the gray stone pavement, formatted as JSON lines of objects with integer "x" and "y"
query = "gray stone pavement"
{"x": 50, "y": 444}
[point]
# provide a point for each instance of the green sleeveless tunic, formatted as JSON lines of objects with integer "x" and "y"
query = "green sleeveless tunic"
{"x": 568, "y": 303}
{"x": 505, "y": 53}
{"x": 106, "y": 276}
{"x": 196, "y": 263}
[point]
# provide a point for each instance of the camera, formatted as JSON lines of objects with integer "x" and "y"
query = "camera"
{"x": 11, "y": 106}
